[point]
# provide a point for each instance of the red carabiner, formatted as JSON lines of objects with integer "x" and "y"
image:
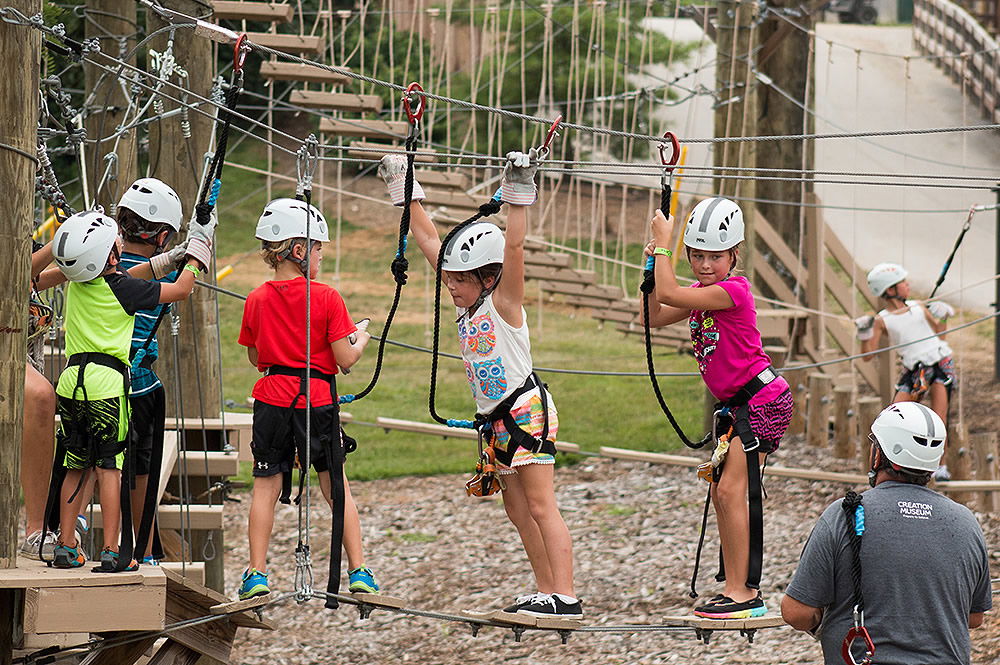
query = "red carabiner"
{"x": 240, "y": 53}
{"x": 414, "y": 116}
{"x": 675, "y": 154}
{"x": 544, "y": 149}
{"x": 845, "y": 649}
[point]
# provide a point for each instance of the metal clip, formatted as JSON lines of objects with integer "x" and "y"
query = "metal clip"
{"x": 306, "y": 161}
{"x": 669, "y": 164}
{"x": 410, "y": 97}
{"x": 303, "y": 574}
{"x": 543, "y": 149}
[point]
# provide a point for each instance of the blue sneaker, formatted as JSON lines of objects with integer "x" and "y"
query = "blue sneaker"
{"x": 254, "y": 584}
{"x": 109, "y": 563}
{"x": 68, "y": 557}
{"x": 362, "y": 580}
{"x": 148, "y": 560}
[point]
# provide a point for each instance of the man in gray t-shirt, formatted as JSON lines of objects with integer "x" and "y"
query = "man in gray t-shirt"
{"x": 924, "y": 569}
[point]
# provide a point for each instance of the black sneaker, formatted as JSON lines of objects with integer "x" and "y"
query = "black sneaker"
{"x": 521, "y": 601}
{"x": 551, "y": 605}
{"x": 727, "y": 608}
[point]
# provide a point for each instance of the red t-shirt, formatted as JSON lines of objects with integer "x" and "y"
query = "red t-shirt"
{"x": 274, "y": 323}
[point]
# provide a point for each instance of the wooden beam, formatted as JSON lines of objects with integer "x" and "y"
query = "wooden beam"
{"x": 119, "y": 655}
{"x": 445, "y": 431}
{"x": 171, "y": 516}
{"x": 270, "y": 12}
{"x": 341, "y": 101}
{"x": 451, "y": 199}
{"x": 213, "y": 639}
{"x": 286, "y": 43}
{"x": 30, "y": 573}
{"x": 785, "y": 28}
{"x": 443, "y": 178}
{"x": 192, "y": 570}
{"x": 365, "y": 150}
{"x": 206, "y": 598}
{"x": 167, "y": 464}
{"x": 297, "y": 71}
{"x": 369, "y": 129}
{"x": 108, "y": 608}
{"x": 174, "y": 653}
{"x": 218, "y": 463}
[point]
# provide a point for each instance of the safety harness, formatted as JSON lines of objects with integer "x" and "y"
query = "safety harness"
{"x": 855, "y": 514}
{"x": 733, "y": 417}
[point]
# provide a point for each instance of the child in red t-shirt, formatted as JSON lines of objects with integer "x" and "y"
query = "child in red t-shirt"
{"x": 273, "y": 330}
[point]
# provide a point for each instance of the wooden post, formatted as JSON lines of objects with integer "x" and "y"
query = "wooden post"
{"x": 797, "y": 381}
{"x": 985, "y": 446}
{"x": 815, "y": 230}
{"x": 820, "y": 398}
{"x": 868, "y": 410}
{"x": 959, "y": 458}
{"x": 20, "y": 51}
{"x": 179, "y": 162}
{"x": 845, "y": 427}
{"x": 110, "y": 21}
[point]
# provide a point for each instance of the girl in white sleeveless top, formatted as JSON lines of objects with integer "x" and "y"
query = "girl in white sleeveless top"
{"x": 484, "y": 274}
{"x": 928, "y": 365}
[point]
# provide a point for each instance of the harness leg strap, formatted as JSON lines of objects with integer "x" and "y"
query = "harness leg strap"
{"x": 335, "y": 463}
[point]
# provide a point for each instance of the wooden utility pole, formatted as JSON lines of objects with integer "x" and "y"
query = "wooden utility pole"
{"x": 785, "y": 64}
{"x": 113, "y": 22}
{"x": 736, "y": 113}
{"x": 20, "y": 51}
{"x": 179, "y": 161}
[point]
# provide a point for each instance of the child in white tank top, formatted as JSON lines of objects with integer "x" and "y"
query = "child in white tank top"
{"x": 484, "y": 274}
{"x": 928, "y": 367}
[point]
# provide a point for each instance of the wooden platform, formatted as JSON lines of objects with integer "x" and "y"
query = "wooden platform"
{"x": 340, "y": 101}
{"x": 287, "y": 43}
{"x": 294, "y": 71}
{"x": 270, "y": 12}
{"x": 772, "y": 621}
{"x": 524, "y": 620}
{"x": 370, "y": 129}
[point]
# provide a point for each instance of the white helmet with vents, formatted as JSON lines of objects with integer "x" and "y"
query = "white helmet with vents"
{"x": 715, "y": 225}
{"x": 477, "y": 245}
{"x": 284, "y": 219}
{"x": 910, "y": 435}
{"x": 884, "y": 276}
{"x": 155, "y": 201}
{"x": 83, "y": 243}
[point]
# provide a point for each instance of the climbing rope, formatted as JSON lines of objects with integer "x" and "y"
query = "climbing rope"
{"x": 954, "y": 250}
{"x": 648, "y": 286}
{"x": 855, "y": 514}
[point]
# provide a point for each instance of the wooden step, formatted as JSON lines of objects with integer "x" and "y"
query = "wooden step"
{"x": 452, "y": 199}
{"x": 341, "y": 101}
{"x": 218, "y": 463}
{"x": 296, "y": 71}
{"x": 287, "y": 43}
{"x": 661, "y": 336}
{"x": 371, "y": 129}
{"x": 252, "y": 11}
{"x": 442, "y": 178}
{"x": 366, "y": 150}
{"x": 545, "y": 258}
{"x": 597, "y": 291}
{"x": 203, "y": 517}
{"x": 552, "y": 274}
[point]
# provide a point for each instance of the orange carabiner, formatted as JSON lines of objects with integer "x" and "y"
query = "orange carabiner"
{"x": 240, "y": 53}
{"x": 854, "y": 633}
{"x": 544, "y": 149}
{"x": 411, "y": 90}
{"x": 675, "y": 145}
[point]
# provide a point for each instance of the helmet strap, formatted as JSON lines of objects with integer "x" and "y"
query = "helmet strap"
{"x": 483, "y": 294}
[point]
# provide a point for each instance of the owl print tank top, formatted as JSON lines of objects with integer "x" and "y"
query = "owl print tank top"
{"x": 497, "y": 356}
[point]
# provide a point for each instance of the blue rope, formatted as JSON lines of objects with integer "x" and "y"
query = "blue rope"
{"x": 859, "y": 520}
{"x": 467, "y": 424}
{"x": 216, "y": 188}
{"x": 345, "y": 399}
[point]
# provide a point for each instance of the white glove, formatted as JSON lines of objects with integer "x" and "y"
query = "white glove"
{"x": 518, "y": 186}
{"x": 201, "y": 250}
{"x": 205, "y": 231}
{"x": 165, "y": 263}
{"x": 392, "y": 168}
{"x": 940, "y": 310}
{"x": 866, "y": 327}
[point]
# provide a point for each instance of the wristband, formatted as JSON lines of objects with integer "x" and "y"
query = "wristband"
{"x": 192, "y": 268}
{"x": 663, "y": 251}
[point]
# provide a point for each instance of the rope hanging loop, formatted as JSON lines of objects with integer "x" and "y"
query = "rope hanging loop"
{"x": 413, "y": 97}
{"x": 543, "y": 150}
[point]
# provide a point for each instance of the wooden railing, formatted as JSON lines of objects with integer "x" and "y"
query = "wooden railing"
{"x": 965, "y": 50}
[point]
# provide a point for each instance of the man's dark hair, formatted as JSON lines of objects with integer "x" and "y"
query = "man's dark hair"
{"x": 900, "y": 474}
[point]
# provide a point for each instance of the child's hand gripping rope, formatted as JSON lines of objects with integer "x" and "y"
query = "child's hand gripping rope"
{"x": 866, "y": 327}
{"x": 200, "y": 240}
{"x": 392, "y": 168}
{"x": 940, "y": 310}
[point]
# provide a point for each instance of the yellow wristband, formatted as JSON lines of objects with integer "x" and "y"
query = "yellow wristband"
{"x": 663, "y": 250}
{"x": 193, "y": 269}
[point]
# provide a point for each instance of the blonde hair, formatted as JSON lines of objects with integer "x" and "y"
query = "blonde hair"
{"x": 273, "y": 253}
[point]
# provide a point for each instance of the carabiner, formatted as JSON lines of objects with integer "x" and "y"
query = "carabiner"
{"x": 240, "y": 53}
{"x": 307, "y": 157}
{"x": 544, "y": 148}
{"x": 408, "y": 98}
{"x": 858, "y": 631}
{"x": 675, "y": 153}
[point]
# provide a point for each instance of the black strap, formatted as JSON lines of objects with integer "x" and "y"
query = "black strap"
{"x": 300, "y": 373}
{"x": 743, "y": 396}
{"x": 518, "y": 436}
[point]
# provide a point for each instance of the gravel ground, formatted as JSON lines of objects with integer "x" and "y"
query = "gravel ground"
{"x": 634, "y": 530}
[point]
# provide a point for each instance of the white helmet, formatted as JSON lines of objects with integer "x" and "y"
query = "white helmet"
{"x": 83, "y": 243}
{"x": 477, "y": 245}
{"x": 715, "y": 225}
{"x": 284, "y": 219}
{"x": 884, "y": 276}
{"x": 911, "y": 435}
{"x": 155, "y": 201}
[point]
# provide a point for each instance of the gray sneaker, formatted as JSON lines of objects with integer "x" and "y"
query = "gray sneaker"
{"x": 29, "y": 548}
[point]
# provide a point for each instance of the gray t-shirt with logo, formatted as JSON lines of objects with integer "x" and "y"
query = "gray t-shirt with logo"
{"x": 924, "y": 569}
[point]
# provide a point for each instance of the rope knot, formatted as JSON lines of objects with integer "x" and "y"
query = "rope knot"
{"x": 203, "y": 213}
{"x": 648, "y": 282}
{"x": 491, "y": 207}
{"x": 400, "y": 265}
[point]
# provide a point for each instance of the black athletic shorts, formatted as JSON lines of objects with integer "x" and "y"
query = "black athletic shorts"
{"x": 146, "y": 427}
{"x": 280, "y": 432}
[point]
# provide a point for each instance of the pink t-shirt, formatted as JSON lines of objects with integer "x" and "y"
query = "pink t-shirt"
{"x": 727, "y": 345}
